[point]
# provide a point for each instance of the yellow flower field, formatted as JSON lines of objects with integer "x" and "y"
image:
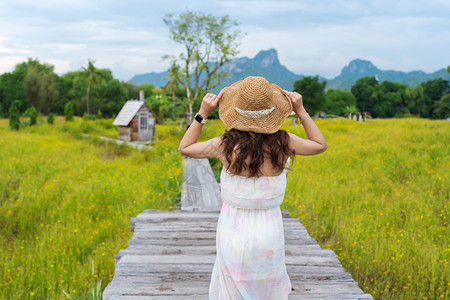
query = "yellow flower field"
{"x": 379, "y": 197}
{"x": 66, "y": 204}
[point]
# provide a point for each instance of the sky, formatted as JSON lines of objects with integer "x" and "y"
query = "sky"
{"x": 312, "y": 37}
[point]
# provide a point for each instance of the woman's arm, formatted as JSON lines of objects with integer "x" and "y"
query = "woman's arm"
{"x": 315, "y": 143}
{"x": 188, "y": 145}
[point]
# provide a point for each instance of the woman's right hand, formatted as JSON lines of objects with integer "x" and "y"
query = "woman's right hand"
{"x": 296, "y": 100}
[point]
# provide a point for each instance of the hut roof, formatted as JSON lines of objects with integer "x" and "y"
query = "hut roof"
{"x": 127, "y": 112}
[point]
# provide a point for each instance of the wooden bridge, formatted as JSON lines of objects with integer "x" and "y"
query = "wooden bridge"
{"x": 171, "y": 253}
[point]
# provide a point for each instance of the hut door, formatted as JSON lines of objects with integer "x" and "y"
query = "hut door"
{"x": 143, "y": 126}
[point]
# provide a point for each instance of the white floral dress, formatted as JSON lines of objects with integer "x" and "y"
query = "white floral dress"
{"x": 250, "y": 261}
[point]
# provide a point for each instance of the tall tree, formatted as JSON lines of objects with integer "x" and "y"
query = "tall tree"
{"x": 337, "y": 102}
{"x": 433, "y": 91}
{"x": 209, "y": 42}
{"x": 172, "y": 84}
{"x": 365, "y": 92}
{"x": 391, "y": 100}
{"x": 12, "y": 85}
{"x": 442, "y": 107}
{"x": 40, "y": 87}
{"x": 414, "y": 99}
{"x": 313, "y": 92}
{"x": 93, "y": 76}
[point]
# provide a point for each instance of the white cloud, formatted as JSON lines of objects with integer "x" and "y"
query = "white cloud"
{"x": 312, "y": 37}
{"x": 61, "y": 66}
{"x": 261, "y": 8}
{"x": 8, "y": 63}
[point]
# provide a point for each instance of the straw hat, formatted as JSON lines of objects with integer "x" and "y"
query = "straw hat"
{"x": 254, "y": 105}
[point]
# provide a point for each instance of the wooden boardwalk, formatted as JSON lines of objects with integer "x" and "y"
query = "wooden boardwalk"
{"x": 171, "y": 256}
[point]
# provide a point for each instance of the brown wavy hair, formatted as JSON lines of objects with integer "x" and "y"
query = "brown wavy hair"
{"x": 256, "y": 146}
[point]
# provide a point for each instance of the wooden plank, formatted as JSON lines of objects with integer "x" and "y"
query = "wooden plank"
{"x": 335, "y": 278}
{"x": 194, "y": 226}
{"x": 211, "y": 250}
{"x": 204, "y": 242}
{"x": 327, "y": 296}
{"x": 209, "y": 259}
{"x": 186, "y": 288}
{"x": 210, "y": 234}
{"x": 135, "y": 269}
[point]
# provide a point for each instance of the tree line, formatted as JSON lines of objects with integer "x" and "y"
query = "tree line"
{"x": 36, "y": 87}
{"x": 385, "y": 99}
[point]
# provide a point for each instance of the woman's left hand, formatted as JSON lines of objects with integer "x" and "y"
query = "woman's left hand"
{"x": 209, "y": 104}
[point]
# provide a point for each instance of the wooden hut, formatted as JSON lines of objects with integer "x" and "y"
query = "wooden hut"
{"x": 136, "y": 121}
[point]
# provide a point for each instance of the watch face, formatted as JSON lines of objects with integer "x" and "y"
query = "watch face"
{"x": 199, "y": 119}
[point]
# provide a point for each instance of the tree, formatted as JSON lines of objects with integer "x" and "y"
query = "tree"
{"x": 336, "y": 101}
{"x": 14, "y": 115}
{"x": 209, "y": 42}
{"x": 147, "y": 88}
{"x": 160, "y": 105}
{"x": 364, "y": 91}
{"x": 40, "y": 87}
{"x": 68, "y": 111}
{"x": 33, "y": 115}
{"x": 172, "y": 84}
{"x": 313, "y": 93}
{"x": 442, "y": 107}
{"x": 391, "y": 100}
{"x": 93, "y": 76}
{"x": 51, "y": 118}
{"x": 12, "y": 84}
{"x": 350, "y": 109}
{"x": 414, "y": 99}
{"x": 433, "y": 91}
{"x": 133, "y": 91}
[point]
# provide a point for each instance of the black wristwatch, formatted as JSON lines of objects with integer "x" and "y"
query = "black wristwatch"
{"x": 200, "y": 119}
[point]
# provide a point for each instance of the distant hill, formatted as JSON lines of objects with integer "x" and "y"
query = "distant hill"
{"x": 154, "y": 78}
{"x": 359, "y": 68}
{"x": 267, "y": 64}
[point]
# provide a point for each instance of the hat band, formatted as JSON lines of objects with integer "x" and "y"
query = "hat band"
{"x": 255, "y": 114}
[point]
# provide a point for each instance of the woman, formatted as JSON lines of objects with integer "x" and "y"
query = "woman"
{"x": 250, "y": 261}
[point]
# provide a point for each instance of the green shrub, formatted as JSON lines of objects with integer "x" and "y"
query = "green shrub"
{"x": 33, "y": 115}
{"x": 14, "y": 115}
{"x": 51, "y": 118}
{"x": 68, "y": 111}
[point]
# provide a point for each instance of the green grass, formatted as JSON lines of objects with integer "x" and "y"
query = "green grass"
{"x": 66, "y": 204}
{"x": 379, "y": 197}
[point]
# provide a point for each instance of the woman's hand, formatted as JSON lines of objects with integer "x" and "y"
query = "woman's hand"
{"x": 209, "y": 104}
{"x": 296, "y": 100}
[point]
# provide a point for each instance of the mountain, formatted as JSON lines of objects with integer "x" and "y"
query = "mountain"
{"x": 359, "y": 68}
{"x": 267, "y": 64}
{"x": 154, "y": 78}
